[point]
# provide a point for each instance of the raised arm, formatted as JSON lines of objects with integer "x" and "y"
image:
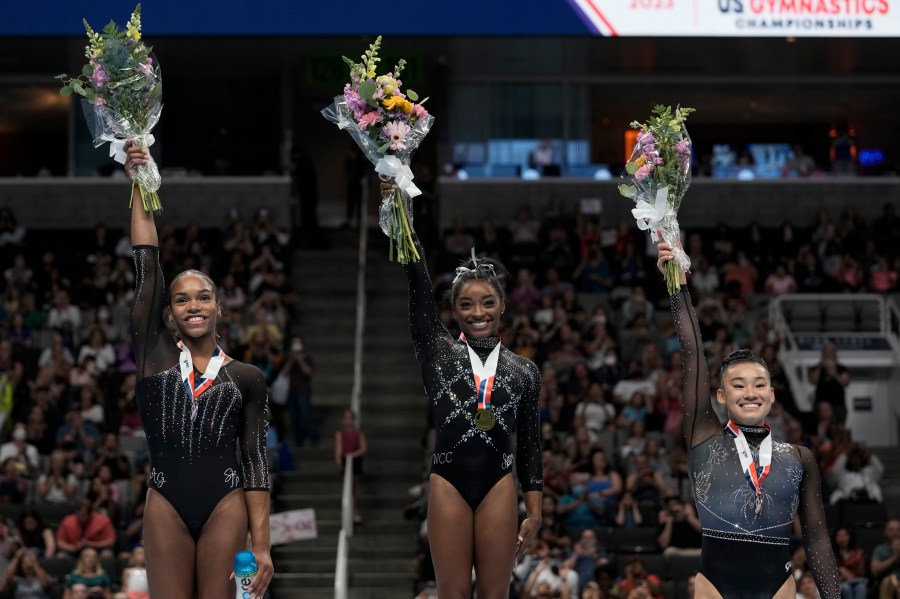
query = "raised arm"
{"x": 699, "y": 420}
{"x": 153, "y": 346}
{"x": 819, "y": 553}
{"x": 424, "y": 326}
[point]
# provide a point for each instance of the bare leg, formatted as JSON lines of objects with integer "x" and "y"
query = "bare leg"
{"x": 496, "y": 525}
{"x": 170, "y": 549}
{"x": 223, "y": 535}
{"x": 450, "y": 538}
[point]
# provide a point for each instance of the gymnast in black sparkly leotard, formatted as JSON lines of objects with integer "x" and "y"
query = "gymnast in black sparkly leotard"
{"x": 472, "y": 514}
{"x": 197, "y": 406}
{"x": 748, "y": 488}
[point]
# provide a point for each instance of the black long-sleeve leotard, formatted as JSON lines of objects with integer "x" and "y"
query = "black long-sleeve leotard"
{"x": 470, "y": 459}
{"x": 193, "y": 462}
{"x": 745, "y": 554}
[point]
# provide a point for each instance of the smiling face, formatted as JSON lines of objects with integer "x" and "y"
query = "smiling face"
{"x": 746, "y": 393}
{"x": 194, "y": 306}
{"x": 478, "y": 308}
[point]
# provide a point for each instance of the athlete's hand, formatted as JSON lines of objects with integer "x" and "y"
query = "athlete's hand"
{"x": 387, "y": 188}
{"x": 134, "y": 156}
{"x": 527, "y": 531}
{"x": 264, "y": 572}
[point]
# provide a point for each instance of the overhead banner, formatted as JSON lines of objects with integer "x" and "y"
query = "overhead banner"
{"x": 746, "y": 18}
{"x": 653, "y": 18}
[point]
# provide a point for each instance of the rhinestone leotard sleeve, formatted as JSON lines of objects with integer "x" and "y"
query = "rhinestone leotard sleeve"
{"x": 529, "y": 466}
{"x": 700, "y": 421}
{"x": 154, "y": 349}
{"x": 819, "y": 553}
{"x": 428, "y": 334}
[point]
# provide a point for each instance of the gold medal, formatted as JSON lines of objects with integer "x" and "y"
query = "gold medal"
{"x": 484, "y": 419}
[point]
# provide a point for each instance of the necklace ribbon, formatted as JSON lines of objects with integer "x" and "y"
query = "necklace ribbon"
{"x": 195, "y": 387}
{"x": 755, "y": 474}
{"x": 484, "y": 375}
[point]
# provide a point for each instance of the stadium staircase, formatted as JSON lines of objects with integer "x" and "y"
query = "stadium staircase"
{"x": 381, "y": 550}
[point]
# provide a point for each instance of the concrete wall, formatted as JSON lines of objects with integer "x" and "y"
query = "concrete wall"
{"x": 707, "y": 203}
{"x": 71, "y": 203}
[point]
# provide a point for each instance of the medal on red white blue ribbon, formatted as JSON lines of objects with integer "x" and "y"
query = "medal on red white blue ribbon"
{"x": 195, "y": 387}
{"x": 755, "y": 474}
{"x": 484, "y": 375}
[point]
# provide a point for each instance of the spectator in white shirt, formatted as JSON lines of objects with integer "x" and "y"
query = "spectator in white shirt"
{"x": 21, "y": 450}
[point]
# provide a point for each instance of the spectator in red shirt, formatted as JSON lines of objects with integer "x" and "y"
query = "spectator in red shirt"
{"x": 86, "y": 528}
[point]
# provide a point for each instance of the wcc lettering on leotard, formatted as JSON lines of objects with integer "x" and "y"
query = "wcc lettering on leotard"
{"x": 748, "y": 489}
{"x": 193, "y": 421}
{"x": 473, "y": 452}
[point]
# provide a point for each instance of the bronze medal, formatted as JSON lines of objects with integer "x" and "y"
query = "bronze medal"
{"x": 485, "y": 420}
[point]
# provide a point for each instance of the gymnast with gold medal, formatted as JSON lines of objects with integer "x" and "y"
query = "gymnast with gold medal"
{"x": 482, "y": 395}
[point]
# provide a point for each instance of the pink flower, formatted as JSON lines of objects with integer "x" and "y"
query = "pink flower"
{"x": 396, "y": 133}
{"x": 355, "y": 103}
{"x": 643, "y": 172}
{"x": 419, "y": 112}
{"x": 99, "y": 102}
{"x": 370, "y": 118}
{"x": 683, "y": 147}
{"x": 99, "y": 76}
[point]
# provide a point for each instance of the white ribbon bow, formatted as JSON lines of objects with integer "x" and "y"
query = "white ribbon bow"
{"x": 117, "y": 148}
{"x": 400, "y": 173}
{"x": 649, "y": 216}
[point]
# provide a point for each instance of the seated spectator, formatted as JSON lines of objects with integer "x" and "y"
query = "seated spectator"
{"x": 110, "y": 454}
{"x": 91, "y": 404}
{"x": 594, "y": 274}
{"x": 855, "y": 477}
{"x": 20, "y": 450}
{"x": 806, "y": 587}
{"x": 78, "y": 431}
{"x": 578, "y": 509}
{"x": 134, "y": 529}
{"x": 85, "y": 373}
{"x": 90, "y": 573}
{"x": 604, "y": 486}
{"x": 58, "y": 484}
{"x": 636, "y": 577}
{"x": 38, "y": 432}
{"x": 594, "y": 410}
{"x": 134, "y": 577}
{"x": 587, "y": 555}
{"x": 679, "y": 526}
{"x": 637, "y": 303}
{"x": 25, "y": 578}
{"x": 104, "y": 494}
{"x": 98, "y": 347}
{"x": 130, "y": 419}
{"x": 628, "y": 515}
{"x": 780, "y": 282}
{"x": 885, "y": 564}
{"x": 550, "y": 581}
{"x": 525, "y": 291}
{"x": 86, "y": 529}
{"x": 33, "y": 534}
{"x": 851, "y": 561}
{"x": 645, "y": 484}
{"x": 13, "y": 486}
{"x": 637, "y": 381}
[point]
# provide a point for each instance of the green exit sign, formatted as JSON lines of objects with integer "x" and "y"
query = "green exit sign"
{"x": 329, "y": 69}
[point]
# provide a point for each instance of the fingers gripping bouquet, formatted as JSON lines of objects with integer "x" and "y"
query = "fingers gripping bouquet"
{"x": 388, "y": 125}
{"x": 656, "y": 177}
{"x": 121, "y": 91}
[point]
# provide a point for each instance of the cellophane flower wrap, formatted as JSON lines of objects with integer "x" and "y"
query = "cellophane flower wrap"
{"x": 388, "y": 125}
{"x": 657, "y": 176}
{"x": 121, "y": 91}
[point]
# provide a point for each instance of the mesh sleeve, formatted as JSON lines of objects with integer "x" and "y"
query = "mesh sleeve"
{"x": 254, "y": 428}
{"x": 819, "y": 552}
{"x": 529, "y": 465}
{"x": 426, "y": 330}
{"x": 700, "y": 421}
{"x": 154, "y": 349}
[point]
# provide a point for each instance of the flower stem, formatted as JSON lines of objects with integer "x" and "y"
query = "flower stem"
{"x": 673, "y": 277}
{"x": 411, "y": 253}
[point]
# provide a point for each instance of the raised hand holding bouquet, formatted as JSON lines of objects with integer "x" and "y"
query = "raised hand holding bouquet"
{"x": 122, "y": 96}
{"x": 388, "y": 125}
{"x": 656, "y": 177}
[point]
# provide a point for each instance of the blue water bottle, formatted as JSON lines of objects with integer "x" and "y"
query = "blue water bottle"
{"x": 244, "y": 571}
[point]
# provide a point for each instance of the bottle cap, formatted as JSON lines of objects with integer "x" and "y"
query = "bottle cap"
{"x": 244, "y": 563}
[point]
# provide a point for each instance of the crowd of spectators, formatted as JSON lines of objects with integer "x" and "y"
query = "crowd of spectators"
{"x": 73, "y": 459}
{"x": 587, "y": 305}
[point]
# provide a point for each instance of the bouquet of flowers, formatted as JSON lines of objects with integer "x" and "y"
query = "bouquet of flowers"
{"x": 121, "y": 93}
{"x": 388, "y": 125}
{"x": 656, "y": 177}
